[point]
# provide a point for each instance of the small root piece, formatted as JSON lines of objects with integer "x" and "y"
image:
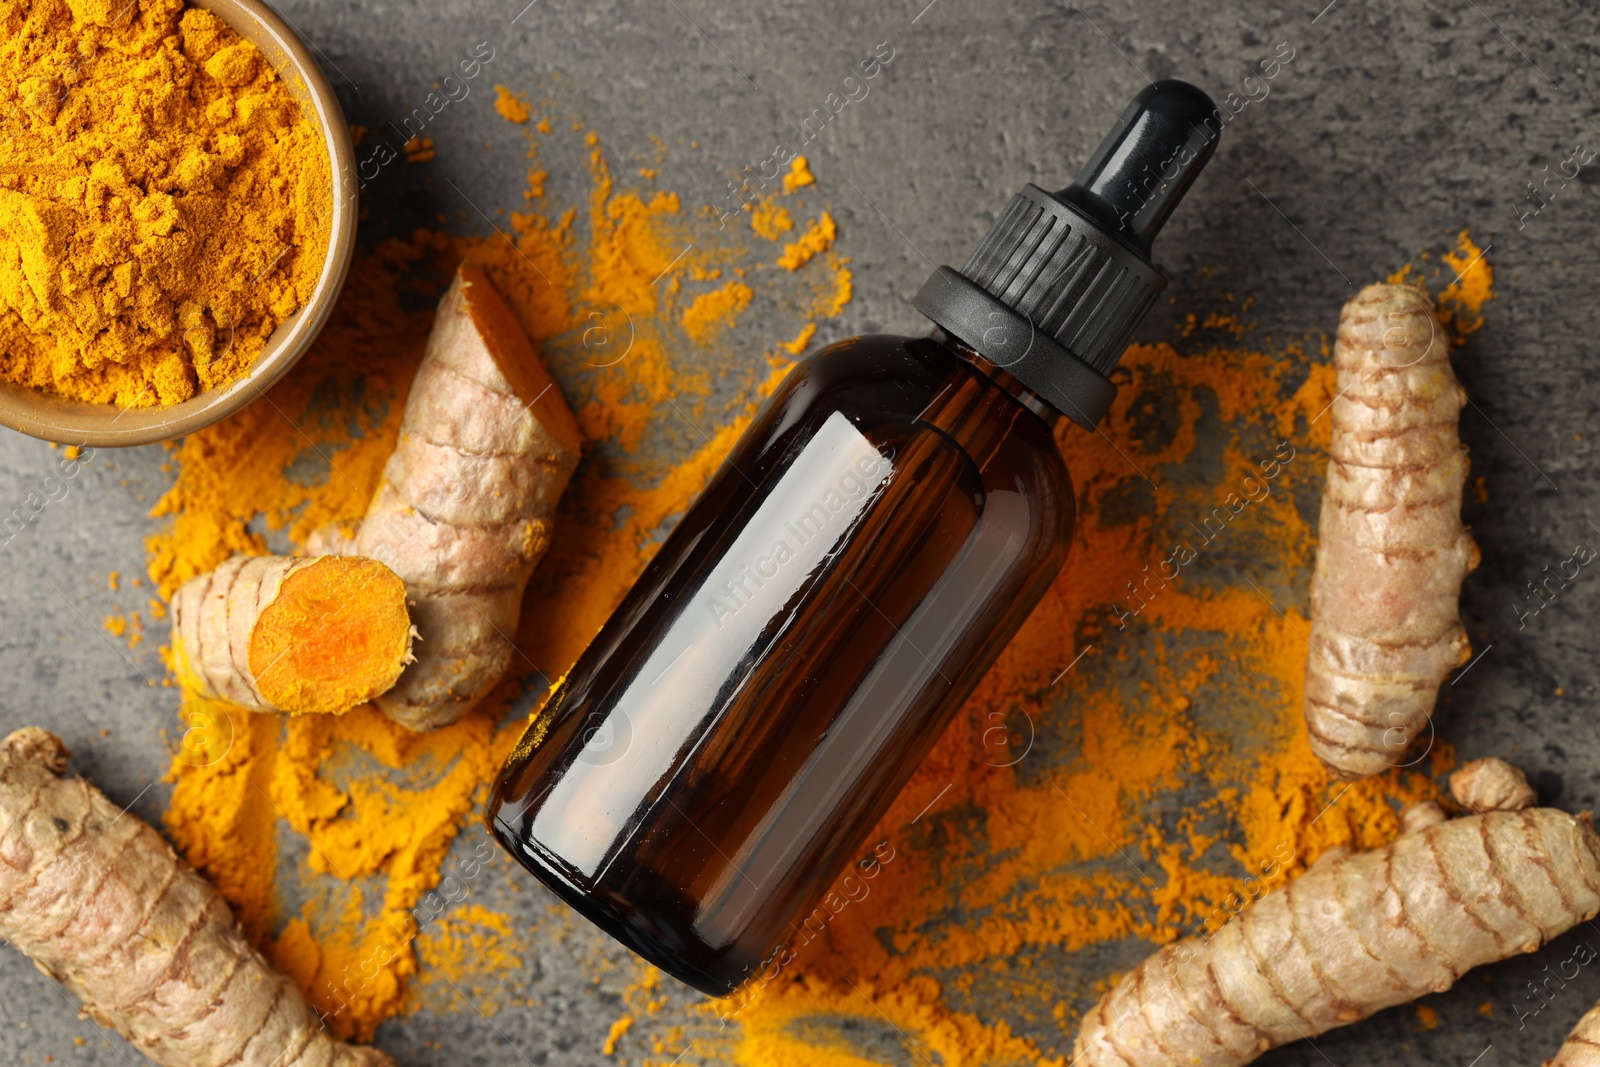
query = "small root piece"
{"x": 1491, "y": 784}
{"x": 1420, "y": 816}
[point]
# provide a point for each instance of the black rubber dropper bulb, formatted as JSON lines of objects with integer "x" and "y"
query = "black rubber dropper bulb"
{"x": 1054, "y": 291}
{"x": 1148, "y": 161}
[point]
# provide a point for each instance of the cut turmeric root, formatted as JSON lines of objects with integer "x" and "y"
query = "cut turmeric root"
{"x": 104, "y": 906}
{"x": 1357, "y": 933}
{"x": 1391, "y": 555}
{"x": 301, "y": 636}
{"x": 467, "y": 500}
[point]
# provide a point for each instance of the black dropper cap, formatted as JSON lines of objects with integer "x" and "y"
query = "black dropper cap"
{"x": 1056, "y": 288}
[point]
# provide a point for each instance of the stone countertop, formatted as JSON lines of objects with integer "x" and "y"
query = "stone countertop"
{"x": 1393, "y": 128}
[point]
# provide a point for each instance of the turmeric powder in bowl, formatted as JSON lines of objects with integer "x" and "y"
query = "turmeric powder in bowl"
{"x": 164, "y": 203}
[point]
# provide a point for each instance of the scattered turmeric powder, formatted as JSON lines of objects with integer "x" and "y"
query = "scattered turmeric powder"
{"x": 470, "y": 950}
{"x": 164, "y": 204}
{"x": 799, "y": 175}
{"x": 418, "y": 149}
{"x": 618, "y": 1028}
{"x": 511, "y": 106}
{"x": 716, "y": 309}
{"x": 770, "y": 220}
{"x": 802, "y": 340}
{"x": 818, "y": 237}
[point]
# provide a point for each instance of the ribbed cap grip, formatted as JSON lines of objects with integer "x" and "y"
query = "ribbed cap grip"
{"x": 1057, "y": 287}
{"x": 1076, "y": 283}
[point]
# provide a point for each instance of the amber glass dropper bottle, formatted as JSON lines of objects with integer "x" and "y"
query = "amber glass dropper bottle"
{"x": 714, "y": 760}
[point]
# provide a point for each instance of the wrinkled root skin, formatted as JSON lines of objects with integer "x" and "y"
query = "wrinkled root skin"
{"x": 1357, "y": 933}
{"x": 103, "y": 905}
{"x": 1392, "y": 552}
{"x": 465, "y": 509}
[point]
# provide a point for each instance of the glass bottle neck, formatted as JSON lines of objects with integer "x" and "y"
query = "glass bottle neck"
{"x": 997, "y": 374}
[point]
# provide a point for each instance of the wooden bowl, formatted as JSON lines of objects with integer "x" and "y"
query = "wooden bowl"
{"x": 76, "y": 423}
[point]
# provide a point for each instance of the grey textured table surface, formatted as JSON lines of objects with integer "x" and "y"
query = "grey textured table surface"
{"x": 1395, "y": 126}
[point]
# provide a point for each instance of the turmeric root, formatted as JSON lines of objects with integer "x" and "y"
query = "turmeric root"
{"x": 1385, "y": 620}
{"x": 301, "y": 636}
{"x": 1357, "y": 933}
{"x": 464, "y": 510}
{"x": 1488, "y": 778}
{"x": 104, "y": 906}
{"x": 1582, "y": 1046}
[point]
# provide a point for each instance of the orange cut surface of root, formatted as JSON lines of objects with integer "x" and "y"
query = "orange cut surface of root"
{"x": 337, "y": 635}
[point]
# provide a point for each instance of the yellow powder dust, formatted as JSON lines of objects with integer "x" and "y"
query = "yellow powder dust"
{"x": 1427, "y": 1018}
{"x": 164, "y": 204}
{"x": 799, "y": 175}
{"x": 379, "y": 808}
{"x": 128, "y": 626}
{"x": 418, "y": 149}
{"x": 801, "y": 341}
{"x": 818, "y": 237}
{"x": 618, "y": 1028}
{"x": 113, "y": 580}
{"x": 1463, "y": 299}
{"x": 770, "y": 220}
{"x": 834, "y": 289}
{"x": 511, "y": 106}
{"x": 471, "y": 951}
{"x": 715, "y": 310}
{"x": 1466, "y": 283}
